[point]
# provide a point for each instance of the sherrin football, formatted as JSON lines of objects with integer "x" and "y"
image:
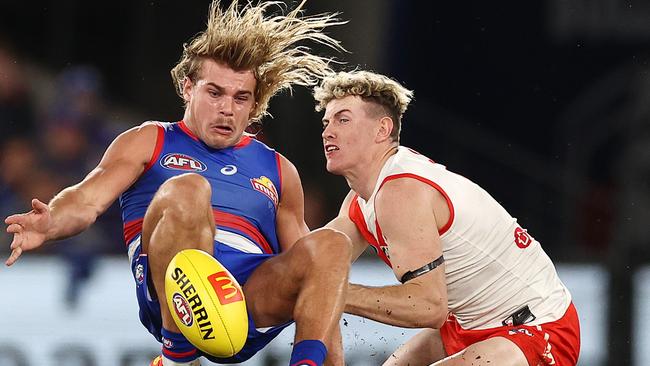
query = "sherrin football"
{"x": 207, "y": 303}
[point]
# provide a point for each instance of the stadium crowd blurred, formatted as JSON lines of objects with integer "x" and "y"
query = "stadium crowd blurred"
{"x": 51, "y": 135}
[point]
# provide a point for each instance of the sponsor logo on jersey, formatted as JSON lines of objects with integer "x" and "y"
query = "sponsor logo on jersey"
{"x": 194, "y": 301}
{"x": 182, "y": 308}
{"x": 229, "y": 170}
{"x": 265, "y": 186}
{"x": 223, "y": 286}
{"x": 178, "y": 161}
{"x": 520, "y": 331}
{"x": 139, "y": 274}
{"x": 522, "y": 238}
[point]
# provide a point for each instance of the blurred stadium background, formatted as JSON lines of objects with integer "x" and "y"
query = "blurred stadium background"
{"x": 543, "y": 103}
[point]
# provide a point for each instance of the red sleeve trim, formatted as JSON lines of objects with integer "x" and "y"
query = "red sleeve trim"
{"x": 279, "y": 164}
{"x": 356, "y": 216}
{"x": 160, "y": 140}
{"x": 446, "y": 227}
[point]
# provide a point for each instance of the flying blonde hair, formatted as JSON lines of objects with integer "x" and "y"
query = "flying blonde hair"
{"x": 387, "y": 93}
{"x": 247, "y": 39}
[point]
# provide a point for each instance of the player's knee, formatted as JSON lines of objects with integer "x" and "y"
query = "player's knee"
{"x": 328, "y": 247}
{"x": 187, "y": 185}
{"x": 186, "y": 191}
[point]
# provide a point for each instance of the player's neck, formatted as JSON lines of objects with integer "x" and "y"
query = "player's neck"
{"x": 364, "y": 179}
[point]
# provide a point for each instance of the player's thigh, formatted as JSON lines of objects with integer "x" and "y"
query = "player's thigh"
{"x": 424, "y": 348}
{"x": 272, "y": 290}
{"x": 493, "y": 351}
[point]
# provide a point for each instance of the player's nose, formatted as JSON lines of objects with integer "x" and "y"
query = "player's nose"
{"x": 226, "y": 106}
{"x": 327, "y": 132}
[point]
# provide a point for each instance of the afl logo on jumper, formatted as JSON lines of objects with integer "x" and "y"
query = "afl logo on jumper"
{"x": 177, "y": 161}
{"x": 266, "y": 186}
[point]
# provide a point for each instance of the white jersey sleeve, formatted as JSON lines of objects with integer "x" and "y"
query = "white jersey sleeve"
{"x": 493, "y": 266}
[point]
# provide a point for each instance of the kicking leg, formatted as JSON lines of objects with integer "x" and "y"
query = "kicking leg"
{"x": 490, "y": 352}
{"x": 423, "y": 349}
{"x": 307, "y": 283}
{"x": 179, "y": 217}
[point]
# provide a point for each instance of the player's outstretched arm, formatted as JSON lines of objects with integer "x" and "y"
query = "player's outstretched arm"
{"x": 405, "y": 212}
{"x": 75, "y": 208}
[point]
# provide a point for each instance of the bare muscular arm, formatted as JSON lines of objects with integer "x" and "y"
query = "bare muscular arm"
{"x": 290, "y": 218}
{"x": 405, "y": 211}
{"x": 75, "y": 208}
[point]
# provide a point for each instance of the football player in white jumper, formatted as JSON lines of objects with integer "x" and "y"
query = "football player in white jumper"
{"x": 480, "y": 284}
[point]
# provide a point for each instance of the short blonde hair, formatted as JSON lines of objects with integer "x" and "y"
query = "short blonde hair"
{"x": 247, "y": 39}
{"x": 371, "y": 87}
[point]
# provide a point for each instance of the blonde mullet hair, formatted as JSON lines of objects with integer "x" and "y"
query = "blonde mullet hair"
{"x": 246, "y": 39}
{"x": 371, "y": 87}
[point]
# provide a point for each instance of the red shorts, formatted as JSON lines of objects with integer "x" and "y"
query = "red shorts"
{"x": 555, "y": 343}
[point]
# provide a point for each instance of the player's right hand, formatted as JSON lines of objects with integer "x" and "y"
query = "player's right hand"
{"x": 29, "y": 229}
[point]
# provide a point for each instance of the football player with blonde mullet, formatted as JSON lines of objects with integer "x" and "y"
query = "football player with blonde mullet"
{"x": 203, "y": 183}
{"x": 481, "y": 286}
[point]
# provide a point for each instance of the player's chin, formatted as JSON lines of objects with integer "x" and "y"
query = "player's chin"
{"x": 221, "y": 142}
{"x": 333, "y": 168}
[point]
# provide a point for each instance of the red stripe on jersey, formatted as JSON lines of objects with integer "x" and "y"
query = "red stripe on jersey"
{"x": 132, "y": 229}
{"x": 355, "y": 214}
{"x": 237, "y": 222}
{"x": 187, "y": 131}
{"x": 277, "y": 160}
{"x": 432, "y": 184}
{"x": 160, "y": 140}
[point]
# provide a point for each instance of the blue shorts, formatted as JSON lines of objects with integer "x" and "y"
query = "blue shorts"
{"x": 241, "y": 265}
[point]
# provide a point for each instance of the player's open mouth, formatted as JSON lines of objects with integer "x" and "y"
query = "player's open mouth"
{"x": 222, "y": 130}
{"x": 329, "y": 149}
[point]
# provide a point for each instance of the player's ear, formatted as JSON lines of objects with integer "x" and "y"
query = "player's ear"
{"x": 385, "y": 129}
{"x": 187, "y": 88}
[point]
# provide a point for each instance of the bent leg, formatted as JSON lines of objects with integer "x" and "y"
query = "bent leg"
{"x": 179, "y": 217}
{"x": 492, "y": 351}
{"x": 307, "y": 283}
{"x": 424, "y": 348}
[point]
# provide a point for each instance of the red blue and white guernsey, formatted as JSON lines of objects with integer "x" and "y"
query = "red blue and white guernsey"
{"x": 246, "y": 185}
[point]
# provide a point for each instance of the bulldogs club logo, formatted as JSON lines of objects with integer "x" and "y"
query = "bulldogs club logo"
{"x": 522, "y": 238}
{"x": 183, "y": 310}
{"x": 176, "y": 161}
{"x": 139, "y": 274}
{"x": 265, "y": 186}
